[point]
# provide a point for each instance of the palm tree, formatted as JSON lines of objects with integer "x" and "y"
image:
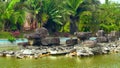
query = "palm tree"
{"x": 51, "y": 14}
{"x": 72, "y": 7}
{"x": 89, "y": 7}
{"x": 31, "y": 11}
{"x": 3, "y": 6}
{"x": 10, "y": 17}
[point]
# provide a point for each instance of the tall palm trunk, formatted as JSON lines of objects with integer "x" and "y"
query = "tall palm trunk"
{"x": 3, "y": 27}
{"x": 73, "y": 26}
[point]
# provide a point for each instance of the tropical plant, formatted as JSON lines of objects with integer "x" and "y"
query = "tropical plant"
{"x": 11, "y": 39}
{"x": 60, "y": 15}
{"x": 33, "y": 7}
{"x": 71, "y": 9}
{"x": 109, "y": 20}
{"x": 88, "y": 15}
{"x": 51, "y": 14}
{"x": 9, "y": 17}
{"x": 85, "y": 21}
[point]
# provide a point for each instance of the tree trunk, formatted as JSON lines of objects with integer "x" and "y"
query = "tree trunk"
{"x": 3, "y": 27}
{"x": 73, "y": 26}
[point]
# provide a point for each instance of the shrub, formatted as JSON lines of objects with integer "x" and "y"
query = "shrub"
{"x": 11, "y": 39}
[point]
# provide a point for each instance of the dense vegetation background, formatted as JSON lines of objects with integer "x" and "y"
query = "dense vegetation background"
{"x": 59, "y": 15}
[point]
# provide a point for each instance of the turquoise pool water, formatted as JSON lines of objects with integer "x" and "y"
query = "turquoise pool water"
{"x": 5, "y": 42}
{"x": 63, "y": 39}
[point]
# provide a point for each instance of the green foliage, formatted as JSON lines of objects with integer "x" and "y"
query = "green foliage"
{"x": 109, "y": 20}
{"x": 32, "y": 6}
{"x": 62, "y": 15}
{"x": 72, "y": 6}
{"x": 66, "y": 27}
{"x": 85, "y": 21}
{"x": 50, "y": 10}
{"x": 12, "y": 4}
{"x": 9, "y": 15}
{"x": 11, "y": 39}
{"x": 109, "y": 28}
{"x": 13, "y": 28}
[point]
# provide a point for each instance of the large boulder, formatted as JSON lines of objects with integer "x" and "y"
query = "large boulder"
{"x": 102, "y": 39}
{"x": 32, "y": 36}
{"x": 37, "y": 42}
{"x": 113, "y": 36}
{"x": 83, "y": 35}
{"x": 71, "y": 41}
{"x": 100, "y": 33}
{"x": 39, "y": 33}
{"x": 42, "y": 32}
{"x": 23, "y": 44}
{"x": 84, "y": 51}
{"x": 27, "y": 52}
{"x": 97, "y": 50}
{"x": 50, "y": 41}
{"x": 114, "y": 33}
{"x": 89, "y": 43}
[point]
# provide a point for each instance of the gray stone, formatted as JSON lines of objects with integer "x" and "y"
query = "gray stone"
{"x": 83, "y": 35}
{"x": 97, "y": 50}
{"x": 114, "y": 33}
{"x": 71, "y": 42}
{"x": 102, "y": 39}
{"x": 27, "y": 52}
{"x": 42, "y": 32}
{"x": 38, "y": 36}
{"x": 39, "y": 33}
{"x": 23, "y": 44}
{"x": 113, "y": 36}
{"x": 89, "y": 43}
{"x": 84, "y": 51}
{"x": 50, "y": 41}
{"x": 100, "y": 33}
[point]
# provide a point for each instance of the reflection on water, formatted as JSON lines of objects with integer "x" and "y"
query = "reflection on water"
{"x": 101, "y": 61}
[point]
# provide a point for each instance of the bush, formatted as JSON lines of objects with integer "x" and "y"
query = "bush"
{"x": 11, "y": 39}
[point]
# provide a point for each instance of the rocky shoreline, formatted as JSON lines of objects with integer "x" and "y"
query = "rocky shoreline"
{"x": 41, "y": 44}
{"x": 76, "y": 50}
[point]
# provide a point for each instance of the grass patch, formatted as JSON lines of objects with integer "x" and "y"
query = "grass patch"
{"x": 8, "y": 35}
{"x": 5, "y": 35}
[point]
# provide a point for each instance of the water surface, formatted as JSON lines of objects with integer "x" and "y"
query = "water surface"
{"x": 6, "y": 42}
{"x": 101, "y": 61}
